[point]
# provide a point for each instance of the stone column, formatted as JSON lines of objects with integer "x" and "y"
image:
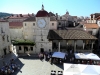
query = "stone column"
{"x": 59, "y": 46}
{"x": 74, "y": 45}
{"x": 92, "y": 46}
{"x": 67, "y": 44}
{"x": 83, "y": 44}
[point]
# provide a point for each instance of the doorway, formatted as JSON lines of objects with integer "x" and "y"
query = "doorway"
{"x": 5, "y": 51}
{"x": 25, "y": 49}
{"x": 41, "y": 50}
{"x": 54, "y": 46}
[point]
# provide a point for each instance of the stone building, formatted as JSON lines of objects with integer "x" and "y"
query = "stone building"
{"x": 42, "y": 29}
{"x": 36, "y": 29}
{"x": 66, "y": 21}
{"x": 92, "y": 25}
{"x": 16, "y": 25}
{"x": 5, "y": 41}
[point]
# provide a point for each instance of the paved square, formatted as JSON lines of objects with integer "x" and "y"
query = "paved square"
{"x": 34, "y": 66}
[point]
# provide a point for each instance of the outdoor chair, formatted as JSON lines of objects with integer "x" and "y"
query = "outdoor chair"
{"x": 53, "y": 72}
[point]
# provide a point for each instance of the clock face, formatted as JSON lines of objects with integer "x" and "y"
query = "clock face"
{"x": 41, "y": 23}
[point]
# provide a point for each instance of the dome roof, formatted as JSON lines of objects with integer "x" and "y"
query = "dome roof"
{"x": 42, "y": 13}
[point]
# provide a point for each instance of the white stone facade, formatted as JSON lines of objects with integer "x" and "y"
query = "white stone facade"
{"x": 5, "y": 41}
{"x": 16, "y": 33}
{"x": 33, "y": 32}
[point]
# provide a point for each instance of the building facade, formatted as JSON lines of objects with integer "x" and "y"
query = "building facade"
{"x": 39, "y": 27}
{"x": 5, "y": 40}
{"x": 36, "y": 29}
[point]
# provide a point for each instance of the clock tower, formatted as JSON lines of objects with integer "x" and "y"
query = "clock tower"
{"x": 41, "y": 31}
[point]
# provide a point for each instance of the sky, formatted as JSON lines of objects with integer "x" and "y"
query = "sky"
{"x": 74, "y": 7}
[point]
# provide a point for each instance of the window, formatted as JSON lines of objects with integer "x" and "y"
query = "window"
{"x": 41, "y": 39}
{"x": 33, "y": 24}
{"x": 25, "y": 48}
{"x": 1, "y": 30}
{"x": 31, "y": 48}
{"x": 52, "y": 24}
{"x": 25, "y": 24}
{"x": 7, "y": 38}
{"x": 19, "y": 47}
{"x": 90, "y": 32}
{"x": 60, "y": 17}
{"x": 3, "y": 38}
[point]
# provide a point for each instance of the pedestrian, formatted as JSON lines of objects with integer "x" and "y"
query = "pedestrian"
{"x": 51, "y": 61}
{"x": 45, "y": 57}
{"x": 48, "y": 57}
{"x": 50, "y": 53}
{"x": 4, "y": 63}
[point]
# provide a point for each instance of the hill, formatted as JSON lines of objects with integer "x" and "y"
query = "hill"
{"x": 3, "y": 14}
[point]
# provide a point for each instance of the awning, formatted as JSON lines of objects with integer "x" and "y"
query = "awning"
{"x": 86, "y": 56}
{"x": 81, "y": 69}
{"x": 59, "y": 54}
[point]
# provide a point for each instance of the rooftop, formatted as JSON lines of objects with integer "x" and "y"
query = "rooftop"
{"x": 15, "y": 24}
{"x": 91, "y": 25}
{"x": 19, "y": 16}
{"x": 69, "y": 34}
{"x": 2, "y": 20}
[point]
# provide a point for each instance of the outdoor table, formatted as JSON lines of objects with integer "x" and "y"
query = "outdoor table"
{"x": 60, "y": 73}
{"x": 53, "y": 73}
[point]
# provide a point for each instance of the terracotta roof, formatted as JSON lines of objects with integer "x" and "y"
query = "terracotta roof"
{"x": 19, "y": 16}
{"x": 52, "y": 18}
{"x": 69, "y": 34}
{"x": 74, "y": 16}
{"x": 82, "y": 22}
{"x": 42, "y": 13}
{"x": 30, "y": 19}
{"x": 2, "y": 20}
{"x": 51, "y": 14}
{"x": 15, "y": 24}
{"x": 91, "y": 25}
{"x": 87, "y": 19}
{"x": 98, "y": 17}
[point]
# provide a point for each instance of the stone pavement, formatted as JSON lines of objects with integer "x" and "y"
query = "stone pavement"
{"x": 34, "y": 66}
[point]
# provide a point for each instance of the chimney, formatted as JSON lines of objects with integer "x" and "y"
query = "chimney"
{"x": 12, "y": 15}
{"x": 74, "y": 23}
{"x": 93, "y": 17}
{"x": 32, "y": 14}
{"x": 56, "y": 15}
{"x": 90, "y": 19}
{"x": 21, "y": 15}
{"x": 28, "y": 14}
{"x": 17, "y": 15}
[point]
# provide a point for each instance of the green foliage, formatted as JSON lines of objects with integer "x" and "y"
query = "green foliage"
{"x": 2, "y": 14}
{"x": 23, "y": 42}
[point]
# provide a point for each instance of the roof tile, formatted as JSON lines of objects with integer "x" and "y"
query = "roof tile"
{"x": 91, "y": 25}
{"x": 15, "y": 24}
{"x": 70, "y": 34}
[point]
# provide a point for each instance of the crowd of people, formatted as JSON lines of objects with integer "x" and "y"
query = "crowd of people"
{"x": 90, "y": 62}
{"x": 9, "y": 68}
{"x": 45, "y": 55}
